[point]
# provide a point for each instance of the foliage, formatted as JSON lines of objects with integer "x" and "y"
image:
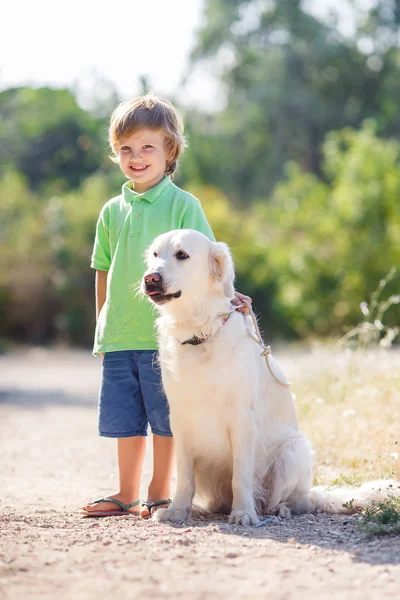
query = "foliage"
{"x": 382, "y": 518}
{"x": 47, "y": 137}
{"x": 289, "y": 78}
{"x": 299, "y": 173}
{"x": 46, "y": 287}
{"x": 337, "y": 239}
{"x": 25, "y": 307}
{"x": 308, "y": 258}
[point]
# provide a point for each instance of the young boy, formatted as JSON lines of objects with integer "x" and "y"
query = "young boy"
{"x": 146, "y": 136}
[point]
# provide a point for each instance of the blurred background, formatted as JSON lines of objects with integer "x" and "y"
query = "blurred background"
{"x": 292, "y": 114}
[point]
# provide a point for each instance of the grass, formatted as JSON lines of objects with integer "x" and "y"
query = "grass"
{"x": 381, "y": 519}
{"x": 371, "y": 331}
{"x": 347, "y": 403}
{"x": 347, "y": 480}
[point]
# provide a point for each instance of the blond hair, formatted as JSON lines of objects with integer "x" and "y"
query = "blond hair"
{"x": 148, "y": 112}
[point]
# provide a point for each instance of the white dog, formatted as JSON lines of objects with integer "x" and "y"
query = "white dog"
{"x": 237, "y": 440}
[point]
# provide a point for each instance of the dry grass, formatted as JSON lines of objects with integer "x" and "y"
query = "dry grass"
{"x": 348, "y": 405}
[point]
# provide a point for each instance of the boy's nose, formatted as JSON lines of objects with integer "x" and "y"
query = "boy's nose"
{"x": 135, "y": 153}
{"x": 152, "y": 278}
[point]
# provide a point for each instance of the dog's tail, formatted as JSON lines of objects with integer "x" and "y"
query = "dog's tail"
{"x": 352, "y": 499}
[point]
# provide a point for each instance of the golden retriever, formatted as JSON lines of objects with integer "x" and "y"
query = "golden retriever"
{"x": 238, "y": 445}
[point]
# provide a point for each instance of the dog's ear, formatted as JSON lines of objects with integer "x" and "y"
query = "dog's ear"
{"x": 221, "y": 267}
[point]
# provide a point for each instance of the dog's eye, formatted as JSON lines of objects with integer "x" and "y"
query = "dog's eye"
{"x": 181, "y": 255}
{"x": 155, "y": 254}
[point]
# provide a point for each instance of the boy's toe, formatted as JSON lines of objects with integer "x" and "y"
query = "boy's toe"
{"x": 150, "y": 507}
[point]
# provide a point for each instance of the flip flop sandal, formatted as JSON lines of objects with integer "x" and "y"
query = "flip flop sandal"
{"x": 124, "y": 509}
{"x": 150, "y": 505}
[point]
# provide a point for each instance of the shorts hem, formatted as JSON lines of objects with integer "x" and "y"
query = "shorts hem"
{"x": 161, "y": 433}
{"x": 124, "y": 434}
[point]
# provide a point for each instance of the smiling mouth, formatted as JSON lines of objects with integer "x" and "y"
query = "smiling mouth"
{"x": 160, "y": 298}
{"x": 139, "y": 169}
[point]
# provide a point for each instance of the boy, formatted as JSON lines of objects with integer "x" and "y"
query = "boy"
{"x": 146, "y": 136}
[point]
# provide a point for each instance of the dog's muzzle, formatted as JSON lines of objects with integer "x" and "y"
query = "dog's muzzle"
{"x": 154, "y": 287}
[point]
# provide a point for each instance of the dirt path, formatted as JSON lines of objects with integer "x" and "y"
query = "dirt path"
{"x": 52, "y": 462}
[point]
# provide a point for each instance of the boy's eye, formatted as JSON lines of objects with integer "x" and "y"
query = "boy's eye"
{"x": 181, "y": 255}
{"x": 124, "y": 149}
{"x": 147, "y": 146}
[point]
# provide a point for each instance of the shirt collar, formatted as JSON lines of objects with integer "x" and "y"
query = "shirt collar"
{"x": 152, "y": 194}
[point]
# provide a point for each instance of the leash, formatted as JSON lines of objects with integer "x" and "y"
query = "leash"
{"x": 264, "y": 522}
{"x": 272, "y": 365}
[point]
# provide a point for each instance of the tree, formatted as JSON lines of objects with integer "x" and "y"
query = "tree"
{"x": 289, "y": 78}
{"x": 47, "y": 137}
{"x": 336, "y": 239}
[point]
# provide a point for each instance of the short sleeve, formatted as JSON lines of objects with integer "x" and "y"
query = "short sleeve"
{"x": 101, "y": 259}
{"x": 194, "y": 218}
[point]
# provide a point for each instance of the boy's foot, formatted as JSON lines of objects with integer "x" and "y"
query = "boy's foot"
{"x": 111, "y": 506}
{"x": 151, "y": 506}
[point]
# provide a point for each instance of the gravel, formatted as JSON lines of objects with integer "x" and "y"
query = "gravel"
{"x": 53, "y": 462}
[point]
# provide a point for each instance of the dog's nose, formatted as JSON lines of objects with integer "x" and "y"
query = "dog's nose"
{"x": 152, "y": 278}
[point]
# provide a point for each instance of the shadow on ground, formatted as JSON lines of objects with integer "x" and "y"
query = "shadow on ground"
{"x": 334, "y": 532}
{"x": 42, "y": 398}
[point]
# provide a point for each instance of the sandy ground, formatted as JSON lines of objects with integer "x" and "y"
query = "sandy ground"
{"x": 52, "y": 462}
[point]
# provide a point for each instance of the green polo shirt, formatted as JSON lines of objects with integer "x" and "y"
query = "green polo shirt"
{"x": 126, "y": 227}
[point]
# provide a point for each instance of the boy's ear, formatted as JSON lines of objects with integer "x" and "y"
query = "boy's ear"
{"x": 169, "y": 151}
{"x": 170, "y": 160}
{"x": 221, "y": 267}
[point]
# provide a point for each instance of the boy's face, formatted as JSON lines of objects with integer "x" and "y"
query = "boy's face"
{"x": 142, "y": 157}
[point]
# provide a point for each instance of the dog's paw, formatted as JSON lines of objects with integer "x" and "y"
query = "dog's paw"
{"x": 242, "y": 517}
{"x": 283, "y": 511}
{"x": 170, "y": 514}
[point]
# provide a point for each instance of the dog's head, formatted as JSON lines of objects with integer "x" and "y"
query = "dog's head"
{"x": 185, "y": 264}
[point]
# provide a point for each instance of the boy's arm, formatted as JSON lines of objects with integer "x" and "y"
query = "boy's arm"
{"x": 101, "y": 290}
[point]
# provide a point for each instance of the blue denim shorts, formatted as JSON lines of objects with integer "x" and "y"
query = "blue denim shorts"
{"x": 131, "y": 395}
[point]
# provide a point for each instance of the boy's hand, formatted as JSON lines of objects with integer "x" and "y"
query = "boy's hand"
{"x": 240, "y": 305}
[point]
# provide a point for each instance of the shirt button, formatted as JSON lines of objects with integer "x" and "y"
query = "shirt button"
{"x": 137, "y": 215}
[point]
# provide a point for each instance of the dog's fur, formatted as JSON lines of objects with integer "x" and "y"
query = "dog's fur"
{"x": 237, "y": 440}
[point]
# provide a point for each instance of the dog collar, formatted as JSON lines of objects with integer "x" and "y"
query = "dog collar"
{"x": 195, "y": 341}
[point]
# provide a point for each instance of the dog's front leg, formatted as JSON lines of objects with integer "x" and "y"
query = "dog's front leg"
{"x": 182, "y": 502}
{"x": 242, "y": 438}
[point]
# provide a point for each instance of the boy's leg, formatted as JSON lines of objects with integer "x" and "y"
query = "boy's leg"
{"x": 157, "y": 411}
{"x": 130, "y": 461}
{"x": 122, "y": 416}
{"x": 163, "y": 464}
